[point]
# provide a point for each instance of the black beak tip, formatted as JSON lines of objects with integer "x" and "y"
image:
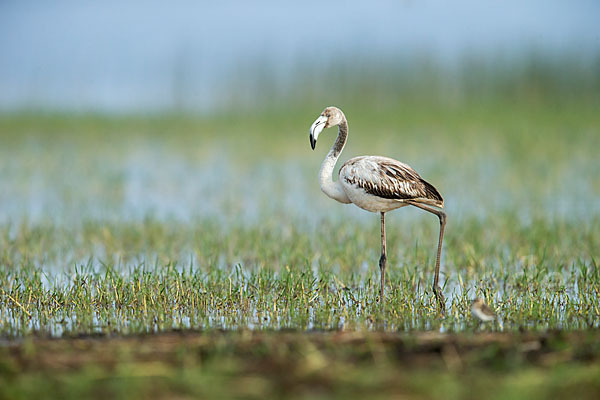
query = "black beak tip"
{"x": 313, "y": 142}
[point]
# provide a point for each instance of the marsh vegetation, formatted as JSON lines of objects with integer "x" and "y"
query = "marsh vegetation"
{"x": 127, "y": 225}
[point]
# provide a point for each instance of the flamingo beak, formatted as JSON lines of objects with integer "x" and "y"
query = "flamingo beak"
{"x": 316, "y": 129}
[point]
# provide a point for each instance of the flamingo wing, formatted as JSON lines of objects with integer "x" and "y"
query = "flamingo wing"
{"x": 389, "y": 179}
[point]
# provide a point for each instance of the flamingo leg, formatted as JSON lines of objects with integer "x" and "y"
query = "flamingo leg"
{"x": 442, "y": 216}
{"x": 383, "y": 258}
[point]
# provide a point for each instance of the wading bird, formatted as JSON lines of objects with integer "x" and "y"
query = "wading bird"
{"x": 376, "y": 184}
{"x": 482, "y": 311}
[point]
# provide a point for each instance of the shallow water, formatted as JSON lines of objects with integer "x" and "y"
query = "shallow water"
{"x": 76, "y": 209}
{"x": 68, "y": 184}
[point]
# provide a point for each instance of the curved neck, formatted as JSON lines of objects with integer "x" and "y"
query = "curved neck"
{"x": 340, "y": 142}
{"x": 328, "y": 186}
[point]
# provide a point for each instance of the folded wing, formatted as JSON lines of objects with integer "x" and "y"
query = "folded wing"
{"x": 390, "y": 179}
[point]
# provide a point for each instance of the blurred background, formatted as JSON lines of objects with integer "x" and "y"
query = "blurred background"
{"x": 192, "y": 109}
{"x": 147, "y": 56}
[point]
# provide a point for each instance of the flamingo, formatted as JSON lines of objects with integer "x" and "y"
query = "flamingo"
{"x": 376, "y": 184}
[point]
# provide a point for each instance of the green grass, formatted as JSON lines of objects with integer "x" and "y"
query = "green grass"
{"x": 286, "y": 275}
{"x": 135, "y": 225}
{"x": 250, "y": 365}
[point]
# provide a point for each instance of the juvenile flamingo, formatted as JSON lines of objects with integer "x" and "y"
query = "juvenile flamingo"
{"x": 376, "y": 184}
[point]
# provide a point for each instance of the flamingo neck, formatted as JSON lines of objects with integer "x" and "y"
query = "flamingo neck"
{"x": 330, "y": 187}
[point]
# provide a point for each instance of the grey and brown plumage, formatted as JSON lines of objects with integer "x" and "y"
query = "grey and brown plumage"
{"x": 376, "y": 184}
{"x": 482, "y": 311}
{"x": 390, "y": 179}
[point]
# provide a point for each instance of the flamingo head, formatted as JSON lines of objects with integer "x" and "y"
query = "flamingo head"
{"x": 331, "y": 116}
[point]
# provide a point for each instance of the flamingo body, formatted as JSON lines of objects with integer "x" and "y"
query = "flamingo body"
{"x": 376, "y": 184}
{"x": 382, "y": 184}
